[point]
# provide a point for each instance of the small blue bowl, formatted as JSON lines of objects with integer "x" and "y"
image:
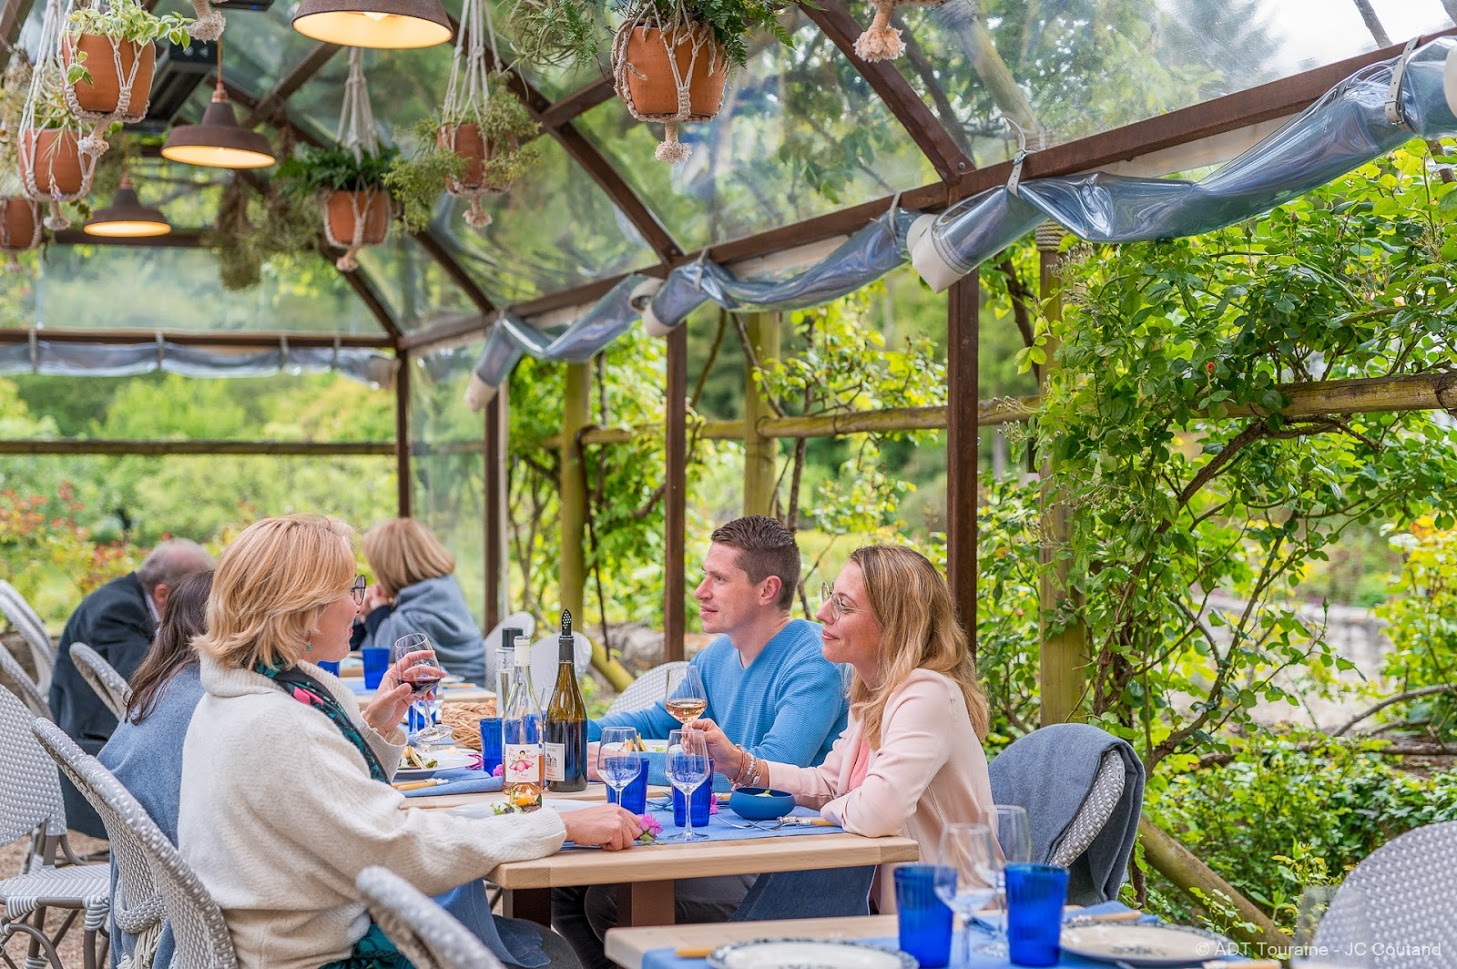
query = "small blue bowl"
{"x": 760, "y": 804}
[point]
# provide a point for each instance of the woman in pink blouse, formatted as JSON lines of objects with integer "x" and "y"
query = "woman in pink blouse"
{"x": 910, "y": 761}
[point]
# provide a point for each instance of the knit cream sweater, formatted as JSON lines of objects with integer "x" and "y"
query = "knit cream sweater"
{"x": 279, "y": 814}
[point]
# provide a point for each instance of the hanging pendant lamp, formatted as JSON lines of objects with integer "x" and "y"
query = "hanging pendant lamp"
{"x": 393, "y": 24}
{"x": 219, "y": 142}
{"x": 126, "y": 217}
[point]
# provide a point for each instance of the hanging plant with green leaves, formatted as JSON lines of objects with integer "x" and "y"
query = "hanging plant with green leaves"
{"x": 110, "y": 56}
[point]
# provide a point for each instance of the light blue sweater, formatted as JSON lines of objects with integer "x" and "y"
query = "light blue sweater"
{"x": 787, "y": 706}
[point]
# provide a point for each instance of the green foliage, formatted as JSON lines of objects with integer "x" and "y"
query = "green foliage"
{"x": 417, "y": 182}
{"x": 312, "y": 170}
{"x": 1285, "y": 813}
{"x": 1169, "y": 505}
{"x": 1007, "y": 635}
{"x": 730, "y": 20}
{"x": 120, "y": 20}
{"x": 252, "y": 230}
{"x": 1421, "y": 620}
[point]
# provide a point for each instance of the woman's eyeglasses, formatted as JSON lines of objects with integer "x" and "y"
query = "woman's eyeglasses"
{"x": 357, "y": 589}
{"x": 839, "y": 605}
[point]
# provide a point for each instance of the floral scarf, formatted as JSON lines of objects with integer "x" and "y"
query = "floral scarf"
{"x": 305, "y": 689}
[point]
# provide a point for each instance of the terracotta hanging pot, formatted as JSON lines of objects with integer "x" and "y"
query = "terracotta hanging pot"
{"x": 373, "y": 208}
{"x": 50, "y": 160}
{"x": 467, "y": 141}
{"x": 652, "y": 89}
{"x": 102, "y": 95}
{"x": 19, "y": 225}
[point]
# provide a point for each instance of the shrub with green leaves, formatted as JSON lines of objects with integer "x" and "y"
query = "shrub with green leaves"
{"x": 311, "y": 170}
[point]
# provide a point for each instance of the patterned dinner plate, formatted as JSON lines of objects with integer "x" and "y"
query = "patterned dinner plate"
{"x": 807, "y": 954}
{"x": 1144, "y": 945}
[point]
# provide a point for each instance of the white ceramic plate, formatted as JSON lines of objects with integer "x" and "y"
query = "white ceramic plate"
{"x": 1143, "y": 945}
{"x": 807, "y": 954}
{"x": 447, "y": 758}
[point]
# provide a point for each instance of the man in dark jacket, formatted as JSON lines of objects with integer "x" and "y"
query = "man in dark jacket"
{"x": 117, "y": 620}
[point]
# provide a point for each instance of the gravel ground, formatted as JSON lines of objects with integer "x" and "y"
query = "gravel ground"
{"x": 70, "y": 948}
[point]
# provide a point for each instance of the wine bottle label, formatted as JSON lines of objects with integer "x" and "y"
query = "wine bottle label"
{"x": 556, "y": 760}
{"x": 522, "y": 764}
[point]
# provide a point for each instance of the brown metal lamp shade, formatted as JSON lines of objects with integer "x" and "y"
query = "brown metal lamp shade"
{"x": 219, "y": 141}
{"x": 127, "y": 218}
{"x": 394, "y": 24}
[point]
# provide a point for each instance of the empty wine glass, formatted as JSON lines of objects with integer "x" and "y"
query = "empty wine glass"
{"x": 1331, "y": 930}
{"x": 619, "y": 758}
{"x": 424, "y": 676}
{"x": 964, "y": 875}
{"x": 1012, "y": 841}
{"x": 687, "y": 766}
{"x": 684, "y": 695}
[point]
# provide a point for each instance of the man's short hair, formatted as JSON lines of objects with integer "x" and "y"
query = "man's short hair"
{"x": 765, "y": 547}
{"x": 171, "y": 562}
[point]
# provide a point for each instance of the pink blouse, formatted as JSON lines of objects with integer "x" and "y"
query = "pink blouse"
{"x": 928, "y": 772}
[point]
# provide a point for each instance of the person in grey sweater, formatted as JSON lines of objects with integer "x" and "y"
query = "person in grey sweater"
{"x": 415, "y": 592}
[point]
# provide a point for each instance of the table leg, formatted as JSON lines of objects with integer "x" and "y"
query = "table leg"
{"x": 645, "y": 903}
{"x": 532, "y": 904}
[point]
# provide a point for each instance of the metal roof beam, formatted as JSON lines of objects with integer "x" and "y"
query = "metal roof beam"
{"x": 233, "y": 339}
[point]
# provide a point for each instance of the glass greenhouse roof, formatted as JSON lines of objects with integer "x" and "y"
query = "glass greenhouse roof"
{"x": 804, "y": 132}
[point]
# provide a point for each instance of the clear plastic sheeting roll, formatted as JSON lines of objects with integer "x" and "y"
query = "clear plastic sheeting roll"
{"x": 510, "y": 337}
{"x": 1346, "y": 128}
{"x": 126, "y": 360}
{"x": 863, "y": 258}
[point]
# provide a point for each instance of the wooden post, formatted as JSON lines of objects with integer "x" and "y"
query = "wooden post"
{"x": 963, "y": 306}
{"x": 675, "y": 493}
{"x": 760, "y": 453}
{"x": 402, "y": 434}
{"x": 576, "y": 412}
{"x": 1062, "y": 666}
{"x": 492, "y": 506}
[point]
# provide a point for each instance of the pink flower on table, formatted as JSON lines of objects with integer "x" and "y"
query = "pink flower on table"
{"x": 650, "y": 829}
{"x": 499, "y": 771}
{"x": 713, "y": 804}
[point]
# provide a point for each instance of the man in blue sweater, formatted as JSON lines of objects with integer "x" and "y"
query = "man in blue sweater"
{"x": 768, "y": 686}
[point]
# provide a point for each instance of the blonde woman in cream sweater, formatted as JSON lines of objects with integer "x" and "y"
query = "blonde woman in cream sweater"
{"x": 285, "y": 793}
{"x": 910, "y": 762}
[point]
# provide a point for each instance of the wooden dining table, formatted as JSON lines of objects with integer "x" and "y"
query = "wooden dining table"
{"x": 647, "y": 874}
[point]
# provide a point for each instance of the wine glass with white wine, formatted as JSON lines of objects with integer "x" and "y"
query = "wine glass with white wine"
{"x": 683, "y": 695}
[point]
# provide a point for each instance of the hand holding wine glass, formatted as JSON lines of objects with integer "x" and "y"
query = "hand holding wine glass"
{"x": 684, "y": 695}
{"x": 415, "y": 663}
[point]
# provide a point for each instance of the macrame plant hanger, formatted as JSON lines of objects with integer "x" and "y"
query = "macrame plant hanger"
{"x": 13, "y": 237}
{"x": 356, "y": 132}
{"x": 47, "y": 87}
{"x": 209, "y": 23}
{"x": 467, "y": 98}
{"x": 881, "y": 41}
{"x": 131, "y": 104}
{"x": 703, "y": 45}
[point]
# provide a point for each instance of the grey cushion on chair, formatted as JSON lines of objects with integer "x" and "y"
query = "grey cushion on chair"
{"x": 424, "y": 932}
{"x": 1083, "y": 791}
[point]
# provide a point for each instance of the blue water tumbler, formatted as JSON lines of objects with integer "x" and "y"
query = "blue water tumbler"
{"x": 702, "y": 796}
{"x": 490, "y": 744}
{"x": 376, "y": 662}
{"x": 1035, "y": 894}
{"x": 924, "y": 920}
{"x": 327, "y": 667}
{"x": 635, "y": 794}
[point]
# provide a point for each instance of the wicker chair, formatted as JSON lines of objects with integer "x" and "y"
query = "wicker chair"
{"x": 1396, "y": 910}
{"x": 102, "y": 677}
{"x": 424, "y": 932}
{"x": 32, "y": 806}
{"x": 646, "y": 690}
{"x": 13, "y": 675}
{"x": 197, "y": 923}
{"x": 32, "y": 630}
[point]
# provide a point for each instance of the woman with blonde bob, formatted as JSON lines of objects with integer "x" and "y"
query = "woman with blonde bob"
{"x": 415, "y": 591}
{"x": 285, "y": 782}
{"x": 910, "y": 760}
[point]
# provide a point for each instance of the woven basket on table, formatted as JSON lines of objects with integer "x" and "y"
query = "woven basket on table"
{"x": 465, "y": 719}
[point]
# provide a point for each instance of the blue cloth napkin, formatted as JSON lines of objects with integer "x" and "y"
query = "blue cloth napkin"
{"x": 462, "y": 780}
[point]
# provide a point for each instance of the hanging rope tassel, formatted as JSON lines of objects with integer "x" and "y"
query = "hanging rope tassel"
{"x": 477, "y": 217}
{"x": 57, "y": 220}
{"x": 881, "y": 41}
{"x": 347, "y": 263}
{"x": 672, "y": 151}
{"x": 209, "y": 24}
{"x": 95, "y": 143}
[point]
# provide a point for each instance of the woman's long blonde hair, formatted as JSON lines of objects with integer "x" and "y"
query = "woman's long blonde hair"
{"x": 917, "y": 617}
{"x": 272, "y": 585}
{"x": 402, "y": 552}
